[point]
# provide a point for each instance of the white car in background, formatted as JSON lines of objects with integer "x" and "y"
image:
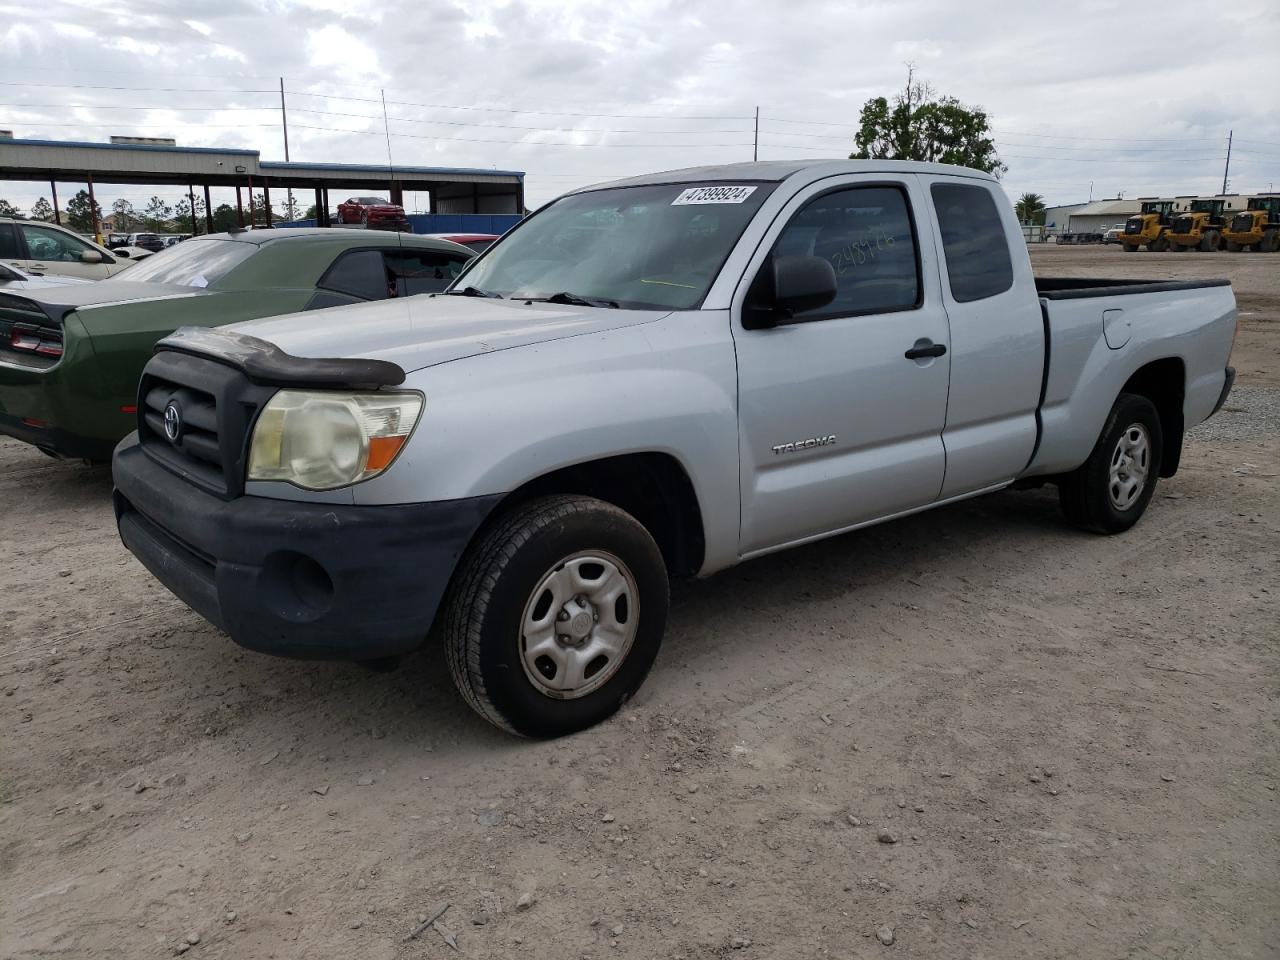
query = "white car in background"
{"x": 1113, "y": 234}
{"x": 12, "y": 280}
{"x": 41, "y": 249}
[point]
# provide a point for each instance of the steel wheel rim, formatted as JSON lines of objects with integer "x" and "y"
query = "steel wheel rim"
{"x": 579, "y": 625}
{"x": 1130, "y": 464}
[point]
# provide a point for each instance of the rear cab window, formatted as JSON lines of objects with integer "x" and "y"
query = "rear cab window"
{"x": 974, "y": 243}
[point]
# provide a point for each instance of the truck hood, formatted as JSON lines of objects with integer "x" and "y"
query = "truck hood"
{"x": 422, "y": 331}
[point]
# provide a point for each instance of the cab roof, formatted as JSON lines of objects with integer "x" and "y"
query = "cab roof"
{"x": 779, "y": 170}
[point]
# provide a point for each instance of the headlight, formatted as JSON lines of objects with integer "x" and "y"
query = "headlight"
{"x": 321, "y": 440}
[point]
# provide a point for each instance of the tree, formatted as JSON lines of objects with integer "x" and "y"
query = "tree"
{"x": 7, "y": 209}
{"x": 124, "y": 215}
{"x": 1030, "y": 208}
{"x": 42, "y": 209}
{"x": 82, "y": 214}
{"x": 920, "y": 125}
{"x": 224, "y": 218}
{"x": 181, "y": 220}
{"x": 156, "y": 217}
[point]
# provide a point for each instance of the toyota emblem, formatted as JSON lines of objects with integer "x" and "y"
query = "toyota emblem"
{"x": 172, "y": 421}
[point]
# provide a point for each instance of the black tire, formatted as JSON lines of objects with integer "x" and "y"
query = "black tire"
{"x": 497, "y": 579}
{"x": 1209, "y": 241}
{"x": 1085, "y": 494}
{"x": 1233, "y": 247}
{"x": 1131, "y": 248}
{"x": 1160, "y": 244}
{"x": 1270, "y": 242}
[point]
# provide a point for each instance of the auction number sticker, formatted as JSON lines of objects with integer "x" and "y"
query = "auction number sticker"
{"x": 713, "y": 195}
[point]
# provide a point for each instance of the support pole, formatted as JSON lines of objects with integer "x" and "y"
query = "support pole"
{"x": 239, "y": 207}
{"x": 93, "y": 212}
{"x": 208, "y": 211}
{"x": 755, "y": 143}
{"x": 319, "y": 209}
{"x": 1227, "y": 168}
{"x": 385, "y": 128}
{"x": 327, "y": 221}
{"x": 191, "y": 198}
{"x": 251, "y": 220}
{"x": 284, "y": 125}
{"x": 266, "y": 200}
{"x": 57, "y": 214}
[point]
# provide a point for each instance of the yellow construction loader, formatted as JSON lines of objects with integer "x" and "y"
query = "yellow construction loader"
{"x": 1149, "y": 228}
{"x": 1256, "y": 228}
{"x": 1200, "y": 226}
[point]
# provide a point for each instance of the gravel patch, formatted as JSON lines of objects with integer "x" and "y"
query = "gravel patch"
{"x": 1250, "y": 413}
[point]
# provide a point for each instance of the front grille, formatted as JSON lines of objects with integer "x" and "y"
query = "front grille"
{"x": 1133, "y": 225}
{"x": 1183, "y": 224}
{"x": 197, "y": 437}
{"x": 1242, "y": 224}
{"x": 214, "y": 408}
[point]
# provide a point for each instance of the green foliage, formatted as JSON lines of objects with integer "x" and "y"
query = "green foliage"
{"x": 224, "y": 218}
{"x": 920, "y": 125}
{"x": 180, "y": 222}
{"x": 42, "y": 209}
{"x": 157, "y": 215}
{"x": 7, "y": 209}
{"x": 1030, "y": 208}
{"x": 81, "y": 214}
{"x": 125, "y": 217}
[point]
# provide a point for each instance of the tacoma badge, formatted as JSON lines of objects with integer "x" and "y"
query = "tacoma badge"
{"x": 804, "y": 444}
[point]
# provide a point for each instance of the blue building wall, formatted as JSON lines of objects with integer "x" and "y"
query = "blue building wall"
{"x": 442, "y": 222}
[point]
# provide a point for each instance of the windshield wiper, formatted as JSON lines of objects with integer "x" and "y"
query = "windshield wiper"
{"x": 576, "y": 300}
{"x": 474, "y": 292}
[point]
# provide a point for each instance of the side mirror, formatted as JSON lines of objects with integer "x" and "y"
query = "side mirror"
{"x": 802, "y": 283}
{"x": 90, "y": 256}
{"x": 797, "y": 283}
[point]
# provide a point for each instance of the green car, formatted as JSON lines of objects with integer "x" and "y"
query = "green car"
{"x": 70, "y": 356}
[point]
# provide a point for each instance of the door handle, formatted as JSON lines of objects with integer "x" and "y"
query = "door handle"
{"x": 925, "y": 348}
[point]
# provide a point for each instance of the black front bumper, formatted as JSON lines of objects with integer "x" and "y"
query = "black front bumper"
{"x": 310, "y": 580}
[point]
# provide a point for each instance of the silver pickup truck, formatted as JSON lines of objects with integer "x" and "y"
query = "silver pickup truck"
{"x": 658, "y": 377}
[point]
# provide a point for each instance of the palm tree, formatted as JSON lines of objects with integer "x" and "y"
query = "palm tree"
{"x": 1030, "y": 208}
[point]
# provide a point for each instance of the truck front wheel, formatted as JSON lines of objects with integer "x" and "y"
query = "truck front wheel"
{"x": 1111, "y": 490}
{"x": 556, "y": 615}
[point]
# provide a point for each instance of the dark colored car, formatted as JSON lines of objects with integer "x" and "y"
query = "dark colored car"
{"x": 373, "y": 213}
{"x": 70, "y": 356}
{"x": 147, "y": 241}
{"x": 479, "y": 242}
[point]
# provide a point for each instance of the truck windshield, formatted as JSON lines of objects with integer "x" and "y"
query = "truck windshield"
{"x": 196, "y": 263}
{"x": 648, "y": 247}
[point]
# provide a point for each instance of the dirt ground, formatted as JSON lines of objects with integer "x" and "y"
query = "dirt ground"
{"x": 1072, "y": 740}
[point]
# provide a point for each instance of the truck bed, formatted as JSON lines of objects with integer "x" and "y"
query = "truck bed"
{"x": 1078, "y": 288}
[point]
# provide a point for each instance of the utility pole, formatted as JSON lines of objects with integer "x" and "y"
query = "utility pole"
{"x": 755, "y": 144}
{"x": 1227, "y": 168}
{"x": 386, "y": 129}
{"x": 284, "y": 123}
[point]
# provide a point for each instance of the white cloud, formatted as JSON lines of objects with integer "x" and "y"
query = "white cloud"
{"x": 1093, "y": 91}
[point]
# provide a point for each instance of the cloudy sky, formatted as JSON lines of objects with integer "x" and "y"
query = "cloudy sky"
{"x": 1131, "y": 97}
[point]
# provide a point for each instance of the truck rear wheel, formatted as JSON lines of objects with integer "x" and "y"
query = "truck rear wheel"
{"x": 1209, "y": 241}
{"x": 1111, "y": 490}
{"x": 1159, "y": 245}
{"x": 1130, "y": 247}
{"x": 556, "y": 616}
{"x": 1233, "y": 247}
{"x": 1270, "y": 242}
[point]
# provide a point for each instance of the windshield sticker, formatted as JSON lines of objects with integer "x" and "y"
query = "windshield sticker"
{"x": 713, "y": 195}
